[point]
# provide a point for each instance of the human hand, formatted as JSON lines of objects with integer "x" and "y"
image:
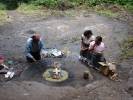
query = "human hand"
{"x": 34, "y": 59}
{"x": 84, "y": 49}
{"x": 44, "y": 54}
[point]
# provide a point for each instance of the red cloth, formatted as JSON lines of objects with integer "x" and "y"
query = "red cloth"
{"x": 2, "y": 57}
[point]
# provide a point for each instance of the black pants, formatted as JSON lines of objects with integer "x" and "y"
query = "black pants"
{"x": 36, "y": 55}
{"x": 95, "y": 58}
{"x": 86, "y": 54}
{"x": 1, "y": 67}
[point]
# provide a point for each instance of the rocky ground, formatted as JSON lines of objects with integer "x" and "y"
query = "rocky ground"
{"x": 64, "y": 33}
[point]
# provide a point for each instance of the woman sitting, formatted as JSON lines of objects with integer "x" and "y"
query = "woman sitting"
{"x": 86, "y": 38}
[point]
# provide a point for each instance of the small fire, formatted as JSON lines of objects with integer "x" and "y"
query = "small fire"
{"x": 56, "y": 70}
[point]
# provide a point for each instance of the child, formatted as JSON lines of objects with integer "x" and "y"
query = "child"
{"x": 96, "y": 48}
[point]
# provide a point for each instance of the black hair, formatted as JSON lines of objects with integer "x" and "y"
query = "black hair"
{"x": 88, "y": 33}
{"x": 33, "y": 36}
{"x": 99, "y": 38}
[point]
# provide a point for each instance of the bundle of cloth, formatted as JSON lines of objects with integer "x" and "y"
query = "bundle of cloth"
{"x": 8, "y": 72}
{"x": 109, "y": 70}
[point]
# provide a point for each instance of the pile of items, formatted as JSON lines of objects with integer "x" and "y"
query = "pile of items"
{"x": 109, "y": 70}
{"x": 5, "y": 70}
{"x": 106, "y": 68}
{"x": 52, "y": 52}
{"x": 55, "y": 74}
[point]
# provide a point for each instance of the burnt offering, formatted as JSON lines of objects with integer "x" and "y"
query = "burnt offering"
{"x": 55, "y": 74}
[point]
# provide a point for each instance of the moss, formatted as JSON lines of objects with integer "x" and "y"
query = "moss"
{"x": 3, "y": 17}
{"x": 75, "y": 39}
{"x": 2, "y": 6}
{"x": 29, "y": 9}
{"x": 109, "y": 11}
{"x": 129, "y": 8}
{"x": 127, "y": 48}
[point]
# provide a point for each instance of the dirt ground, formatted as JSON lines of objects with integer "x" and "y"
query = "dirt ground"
{"x": 63, "y": 32}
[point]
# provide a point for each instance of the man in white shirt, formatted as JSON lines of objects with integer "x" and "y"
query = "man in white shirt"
{"x": 97, "y": 47}
{"x": 86, "y": 38}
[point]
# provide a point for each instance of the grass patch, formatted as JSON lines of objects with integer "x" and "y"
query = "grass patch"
{"x": 3, "y": 17}
{"x": 2, "y": 6}
{"x": 127, "y": 48}
{"x": 107, "y": 13}
{"x": 34, "y": 10}
{"x": 74, "y": 39}
{"x": 129, "y": 8}
{"x": 29, "y": 9}
{"x": 110, "y": 11}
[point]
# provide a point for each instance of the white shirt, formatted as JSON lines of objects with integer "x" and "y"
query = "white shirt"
{"x": 97, "y": 49}
{"x": 86, "y": 40}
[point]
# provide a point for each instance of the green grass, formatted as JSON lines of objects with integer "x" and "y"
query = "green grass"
{"x": 107, "y": 11}
{"x": 3, "y": 17}
{"x": 55, "y": 7}
{"x": 2, "y": 6}
{"x": 3, "y": 14}
{"x": 55, "y": 4}
{"x": 29, "y": 9}
{"x": 129, "y": 7}
{"x": 127, "y": 48}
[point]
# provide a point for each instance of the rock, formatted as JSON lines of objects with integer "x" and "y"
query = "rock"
{"x": 130, "y": 82}
{"x": 95, "y": 85}
{"x": 87, "y": 75}
{"x": 131, "y": 73}
{"x": 26, "y": 94}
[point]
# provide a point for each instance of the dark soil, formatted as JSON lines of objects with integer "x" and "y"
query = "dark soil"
{"x": 64, "y": 33}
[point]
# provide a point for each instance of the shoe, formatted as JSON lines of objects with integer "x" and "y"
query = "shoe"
{"x": 91, "y": 66}
{"x": 80, "y": 57}
{"x": 96, "y": 68}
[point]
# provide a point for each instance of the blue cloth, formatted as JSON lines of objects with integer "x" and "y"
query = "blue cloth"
{"x": 30, "y": 48}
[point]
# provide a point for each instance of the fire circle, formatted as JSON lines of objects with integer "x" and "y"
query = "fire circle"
{"x": 50, "y": 76}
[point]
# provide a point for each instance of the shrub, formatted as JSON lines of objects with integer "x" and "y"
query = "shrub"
{"x": 12, "y": 4}
{"x": 2, "y": 6}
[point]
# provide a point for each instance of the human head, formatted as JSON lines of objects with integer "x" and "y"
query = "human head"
{"x": 88, "y": 33}
{"x": 1, "y": 59}
{"x": 98, "y": 40}
{"x": 36, "y": 37}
